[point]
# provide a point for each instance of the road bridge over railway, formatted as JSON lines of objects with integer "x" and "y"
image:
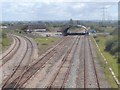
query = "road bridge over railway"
{"x": 65, "y": 29}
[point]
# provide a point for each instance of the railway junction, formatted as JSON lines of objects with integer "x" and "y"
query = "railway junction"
{"x": 71, "y": 63}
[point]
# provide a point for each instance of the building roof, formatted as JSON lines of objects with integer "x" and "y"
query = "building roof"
{"x": 37, "y": 27}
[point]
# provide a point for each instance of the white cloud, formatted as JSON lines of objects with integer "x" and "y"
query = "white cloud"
{"x": 20, "y": 7}
{"x": 51, "y": 11}
{"x": 79, "y": 5}
{"x": 107, "y": 6}
{"x": 48, "y": 1}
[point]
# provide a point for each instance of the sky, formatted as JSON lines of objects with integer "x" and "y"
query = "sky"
{"x": 36, "y": 10}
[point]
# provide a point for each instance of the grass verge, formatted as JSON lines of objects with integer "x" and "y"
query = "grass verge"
{"x": 112, "y": 62}
{"x": 5, "y": 41}
{"x": 45, "y": 43}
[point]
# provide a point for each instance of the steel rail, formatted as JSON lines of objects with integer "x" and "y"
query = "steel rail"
{"x": 30, "y": 66}
{"x": 93, "y": 63}
{"x": 64, "y": 59}
{"x": 11, "y": 53}
{"x": 8, "y": 78}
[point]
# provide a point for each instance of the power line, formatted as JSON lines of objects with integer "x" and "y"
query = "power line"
{"x": 103, "y": 14}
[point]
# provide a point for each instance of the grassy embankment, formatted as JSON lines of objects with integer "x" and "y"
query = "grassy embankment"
{"x": 112, "y": 61}
{"x": 5, "y": 41}
{"x": 45, "y": 42}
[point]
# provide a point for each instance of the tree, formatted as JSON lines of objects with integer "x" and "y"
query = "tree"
{"x": 24, "y": 27}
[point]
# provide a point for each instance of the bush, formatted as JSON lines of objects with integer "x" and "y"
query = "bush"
{"x": 112, "y": 46}
{"x": 44, "y": 44}
{"x": 108, "y": 45}
{"x": 97, "y": 40}
{"x": 118, "y": 59}
{"x": 52, "y": 41}
{"x": 95, "y": 36}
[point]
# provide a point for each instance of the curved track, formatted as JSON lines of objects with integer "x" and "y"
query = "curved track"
{"x": 25, "y": 60}
{"x": 11, "y": 51}
{"x": 31, "y": 66}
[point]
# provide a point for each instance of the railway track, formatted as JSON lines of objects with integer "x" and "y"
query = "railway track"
{"x": 30, "y": 52}
{"x": 41, "y": 63}
{"x": 96, "y": 74}
{"x": 53, "y": 70}
{"x": 80, "y": 70}
{"x": 52, "y": 61}
{"x": 59, "y": 79}
{"x": 59, "y": 63}
{"x": 17, "y": 71}
{"x": 10, "y": 53}
{"x": 65, "y": 66}
{"x": 31, "y": 66}
{"x": 90, "y": 73}
{"x": 84, "y": 65}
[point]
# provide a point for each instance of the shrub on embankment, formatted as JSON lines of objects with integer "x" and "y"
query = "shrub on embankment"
{"x": 112, "y": 46}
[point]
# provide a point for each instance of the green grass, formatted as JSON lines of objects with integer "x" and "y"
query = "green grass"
{"x": 5, "y": 41}
{"x": 112, "y": 62}
{"x": 45, "y": 42}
